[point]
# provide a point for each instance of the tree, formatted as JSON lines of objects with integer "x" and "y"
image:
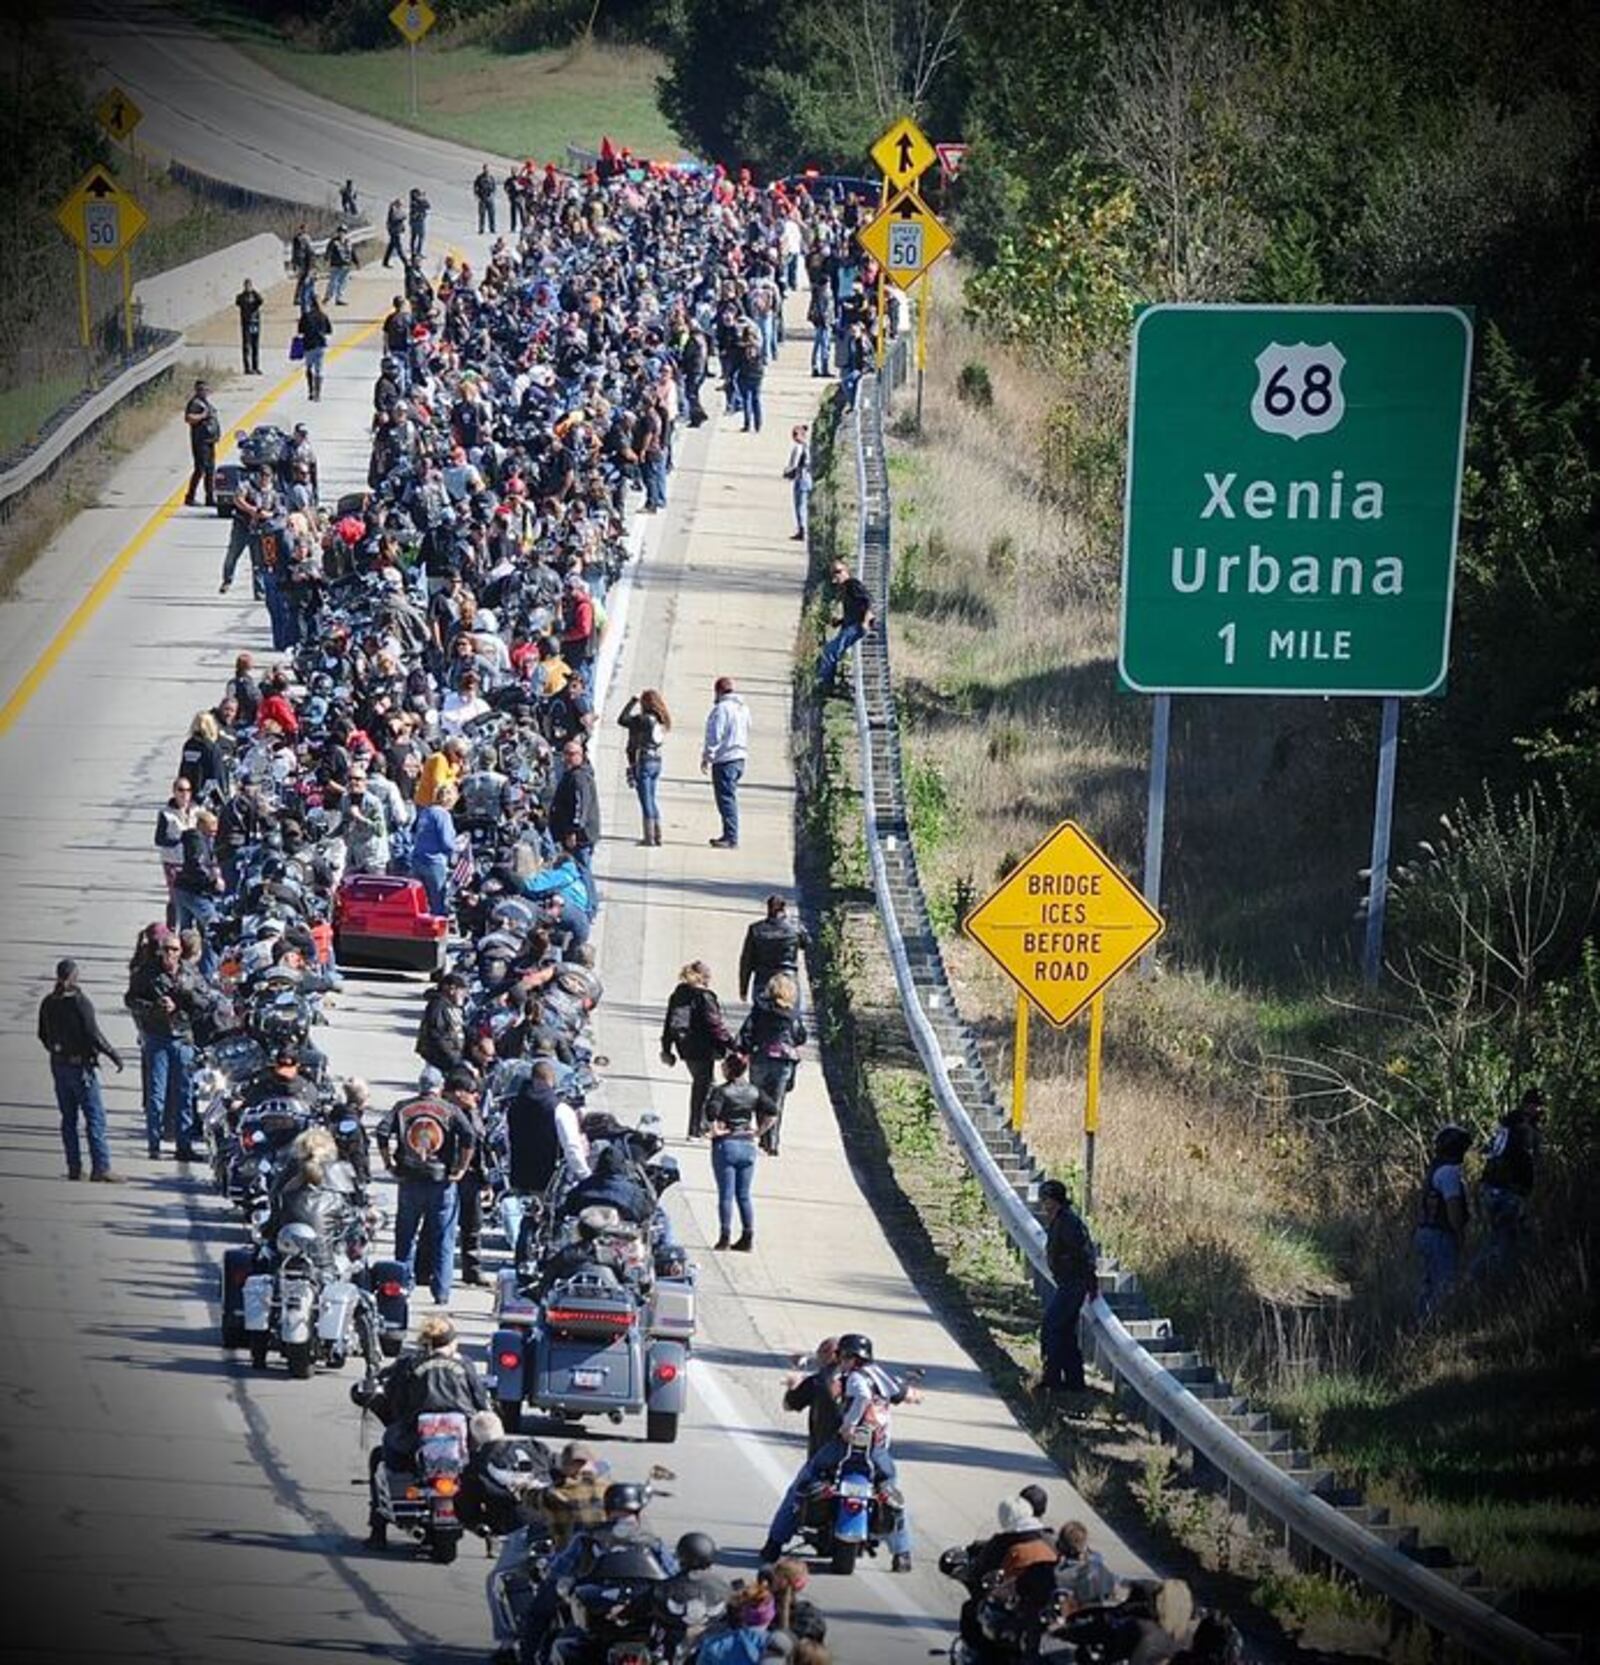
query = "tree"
{"x": 1171, "y": 119}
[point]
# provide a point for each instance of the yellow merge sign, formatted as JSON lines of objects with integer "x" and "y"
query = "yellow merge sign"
{"x": 904, "y": 154}
{"x": 905, "y": 238}
{"x": 100, "y": 217}
{"x": 1063, "y": 923}
{"x": 117, "y": 113}
{"x": 413, "y": 18}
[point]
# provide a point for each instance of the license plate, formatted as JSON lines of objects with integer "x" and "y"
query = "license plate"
{"x": 588, "y": 1378}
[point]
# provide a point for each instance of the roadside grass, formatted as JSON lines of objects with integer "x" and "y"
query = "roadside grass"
{"x": 507, "y": 104}
{"x": 24, "y": 410}
{"x": 27, "y": 531}
{"x": 1274, "y": 1234}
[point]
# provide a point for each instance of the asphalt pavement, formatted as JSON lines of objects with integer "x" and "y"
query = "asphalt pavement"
{"x": 162, "y": 1501}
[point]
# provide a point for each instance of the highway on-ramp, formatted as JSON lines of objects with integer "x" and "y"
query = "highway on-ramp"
{"x": 161, "y": 1500}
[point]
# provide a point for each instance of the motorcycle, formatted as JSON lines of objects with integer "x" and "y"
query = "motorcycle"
{"x": 850, "y": 1512}
{"x": 421, "y": 1500}
{"x": 314, "y": 1305}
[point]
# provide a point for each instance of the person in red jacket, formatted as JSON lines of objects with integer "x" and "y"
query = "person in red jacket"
{"x": 275, "y": 706}
{"x": 578, "y": 633}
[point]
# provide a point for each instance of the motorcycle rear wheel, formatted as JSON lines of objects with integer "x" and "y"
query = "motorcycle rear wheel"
{"x": 260, "y": 1346}
{"x": 510, "y": 1414}
{"x": 661, "y": 1427}
{"x": 234, "y": 1334}
{"x": 843, "y": 1558}
{"x": 298, "y": 1355}
{"x": 442, "y": 1547}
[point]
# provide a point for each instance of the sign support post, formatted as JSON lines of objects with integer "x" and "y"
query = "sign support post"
{"x": 924, "y": 301}
{"x": 1382, "y": 826}
{"x": 1019, "y": 1064}
{"x": 1155, "y": 820}
{"x": 413, "y": 18}
{"x": 127, "y": 303}
{"x": 412, "y": 54}
{"x": 1091, "y": 1102}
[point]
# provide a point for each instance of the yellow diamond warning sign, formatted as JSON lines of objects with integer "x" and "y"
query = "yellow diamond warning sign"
{"x": 1063, "y": 923}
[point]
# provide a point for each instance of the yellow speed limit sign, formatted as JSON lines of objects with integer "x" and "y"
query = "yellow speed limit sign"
{"x": 100, "y": 217}
{"x": 413, "y": 18}
{"x": 905, "y": 239}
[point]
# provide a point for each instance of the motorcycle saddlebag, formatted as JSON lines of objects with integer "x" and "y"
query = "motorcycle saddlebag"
{"x": 384, "y": 919}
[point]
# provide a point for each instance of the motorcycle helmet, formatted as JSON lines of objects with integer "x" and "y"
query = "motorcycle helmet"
{"x": 664, "y": 1173}
{"x": 853, "y": 1345}
{"x": 697, "y": 1551}
{"x": 624, "y": 1497}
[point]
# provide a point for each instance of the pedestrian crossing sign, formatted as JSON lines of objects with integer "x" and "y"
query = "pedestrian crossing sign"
{"x": 413, "y": 18}
{"x": 117, "y": 114}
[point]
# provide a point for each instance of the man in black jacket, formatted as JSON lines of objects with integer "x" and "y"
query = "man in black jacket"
{"x": 817, "y": 1394}
{"x": 771, "y": 945}
{"x": 428, "y": 1143}
{"x": 163, "y": 1003}
{"x": 442, "y": 1035}
{"x": 575, "y": 810}
{"x": 249, "y": 303}
{"x": 1074, "y": 1270}
{"x": 70, "y": 1033}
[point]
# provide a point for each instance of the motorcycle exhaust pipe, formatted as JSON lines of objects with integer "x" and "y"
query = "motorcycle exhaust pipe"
{"x": 419, "y": 1534}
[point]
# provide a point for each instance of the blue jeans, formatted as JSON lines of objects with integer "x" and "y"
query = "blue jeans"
{"x": 1440, "y": 1254}
{"x": 575, "y": 922}
{"x": 1058, "y": 1338}
{"x": 434, "y": 872}
{"x": 169, "y": 1066}
{"x": 787, "y": 1518}
{"x": 750, "y": 402}
{"x": 338, "y": 281}
{"x": 655, "y": 481}
{"x": 428, "y": 1208}
{"x": 281, "y": 611}
{"x": 646, "y": 780}
{"x": 200, "y": 912}
{"x": 767, "y": 324}
{"x": 821, "y": 348}
{"x": 733, "y": 1165}
{"x": 839, "y": 644}
{"x": 802, "y": 504}
{"x": 78, "y": 1094}
{"x": 725, "y": 778}
{"x": 238, "y": 543}
{"x": 584, "y": 857}
{"x": 1506, "y": 1215}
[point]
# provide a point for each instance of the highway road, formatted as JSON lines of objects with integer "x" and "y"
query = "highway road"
{"x": 161, "y": 1500}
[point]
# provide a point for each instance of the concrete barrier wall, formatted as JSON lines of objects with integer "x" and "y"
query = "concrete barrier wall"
{"x": 174, "y": 300}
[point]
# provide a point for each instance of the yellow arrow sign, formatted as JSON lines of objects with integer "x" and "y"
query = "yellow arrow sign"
{"x": 413, "y": 18}
{"x": 117, "y": 113}
{"x": 1063, "y": 923}
{"x": 905, "y": 238}
{"x": 904, "y": 154}
{"x": 100, "y": 217}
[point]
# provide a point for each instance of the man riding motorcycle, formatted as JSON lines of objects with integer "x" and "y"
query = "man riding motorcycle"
{"x": 867, "y": 1391}
{"x": 622, "y": 1529}
{"x": 280, "y": 1079}
{"x": 434, "y": 1379}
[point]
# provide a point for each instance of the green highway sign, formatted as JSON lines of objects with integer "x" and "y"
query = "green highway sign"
{"x": 1294, "y": 485}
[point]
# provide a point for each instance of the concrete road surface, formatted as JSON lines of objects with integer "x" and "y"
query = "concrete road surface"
{"x": 161, "y": 1500}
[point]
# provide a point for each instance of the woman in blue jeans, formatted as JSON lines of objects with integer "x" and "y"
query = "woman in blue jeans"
{"x": 739, "y": 1115}
{"x": 647, "y": 721}
{"x": 433, "y": 848}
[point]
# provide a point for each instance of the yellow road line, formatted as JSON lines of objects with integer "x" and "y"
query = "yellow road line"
{"x": 112, "y": 576}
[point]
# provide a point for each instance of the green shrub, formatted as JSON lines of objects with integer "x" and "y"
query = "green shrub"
{"x": 974, "y": 388}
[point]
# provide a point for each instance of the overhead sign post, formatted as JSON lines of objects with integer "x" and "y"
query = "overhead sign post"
{"x": 1293, "y": 496}
{"x": 103, "y": 222}
{"x": 413, "y": 18}
{"x": 1062, "y": 924}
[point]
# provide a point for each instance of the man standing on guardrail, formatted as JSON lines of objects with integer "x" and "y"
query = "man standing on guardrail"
{"x": 1074, "y": 1268}
{"x": 856, "y": 618}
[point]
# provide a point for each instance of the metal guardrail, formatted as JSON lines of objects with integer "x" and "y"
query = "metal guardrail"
{"x": 1006, "y": 1170}
{"x": 81, "y": 420}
